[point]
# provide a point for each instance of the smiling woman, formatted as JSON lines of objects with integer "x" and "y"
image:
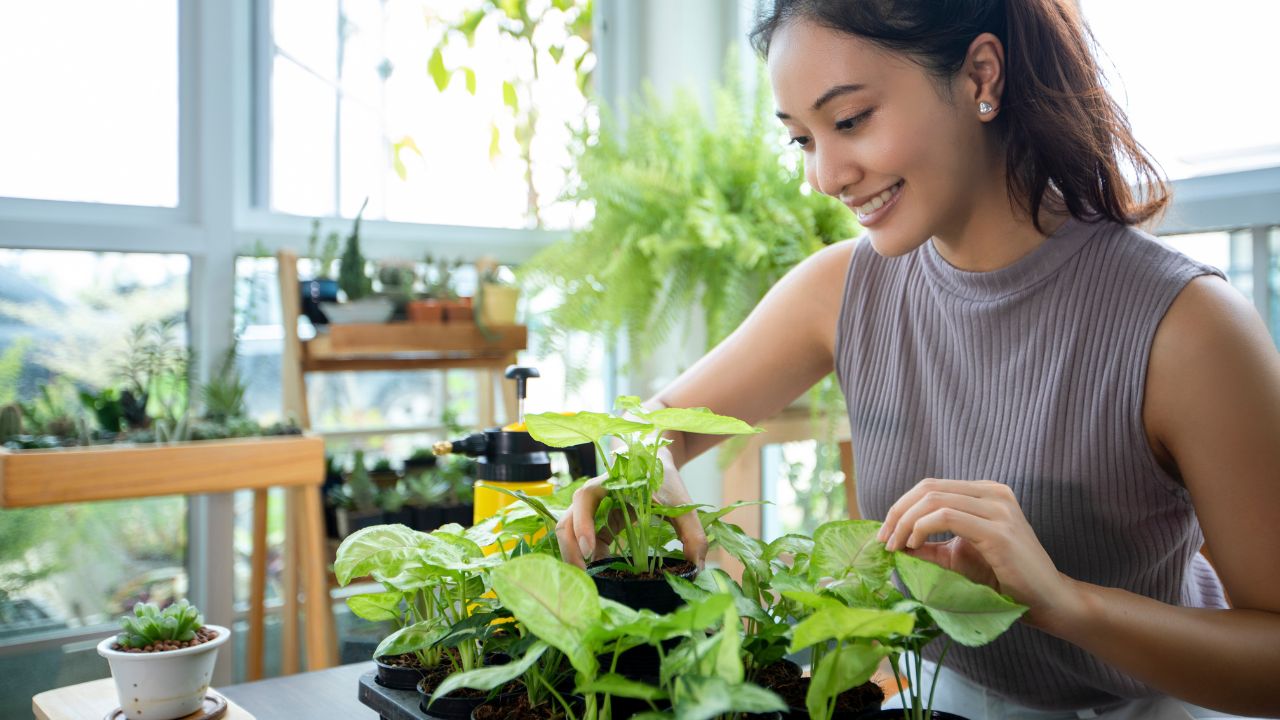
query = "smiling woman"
{"x": 1041, "y": 395}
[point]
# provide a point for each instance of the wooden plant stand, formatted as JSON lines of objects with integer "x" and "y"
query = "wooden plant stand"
{"x": 30, "y": 478}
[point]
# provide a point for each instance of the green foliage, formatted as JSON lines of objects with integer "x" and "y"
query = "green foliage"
{"x": 552, "y": 26}
{"x": 691, "y": 209}
{"x": 155, "y": 372}
{"x": 10, "y": 421}
{"x": 22, "y": 533}
{"x": 636, "y": 473}
{"x": 149, "y": 624}
{"x": 352, "y": 277}
{"x": 11, "y": 363}
{"x": 359, "y": 492}
{"x": 433, "y": 588}
{"x": 107, "y": 408}
{"x": 861, "y": 617}
{"x": 224, "y": 393}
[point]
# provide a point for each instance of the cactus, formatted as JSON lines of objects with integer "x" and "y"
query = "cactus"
{"x": 10, "y": 421}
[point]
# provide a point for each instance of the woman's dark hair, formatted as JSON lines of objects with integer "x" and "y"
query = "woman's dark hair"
{"x": 1065, "y": 137}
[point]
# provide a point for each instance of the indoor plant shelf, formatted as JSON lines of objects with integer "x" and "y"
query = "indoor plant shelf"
{"x": 112, "y": 472}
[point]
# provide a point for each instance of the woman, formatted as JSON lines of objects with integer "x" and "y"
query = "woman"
{"x": 1075, "y": 406}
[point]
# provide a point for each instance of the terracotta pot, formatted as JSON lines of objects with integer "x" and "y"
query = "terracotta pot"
{"x": 425, "y": 311}
{"x": 458, "y": 310}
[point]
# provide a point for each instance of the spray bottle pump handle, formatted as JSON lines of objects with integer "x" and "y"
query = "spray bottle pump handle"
{"x": 521, "y": 374}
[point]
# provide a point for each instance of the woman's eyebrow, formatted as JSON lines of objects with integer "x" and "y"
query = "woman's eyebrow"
{"x": 827, "y": 97}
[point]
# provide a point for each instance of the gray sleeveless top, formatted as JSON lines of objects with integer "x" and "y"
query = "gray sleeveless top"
{"x": 1032, "y": 376}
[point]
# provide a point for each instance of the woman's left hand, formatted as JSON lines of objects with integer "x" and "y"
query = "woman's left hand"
{"x": 993, "y": 544}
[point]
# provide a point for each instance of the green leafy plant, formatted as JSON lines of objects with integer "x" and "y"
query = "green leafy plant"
{"x": 434, "y": 587}
{"x": 694, "y": 212}
{"x": 861, "y": 617}
{"x": 224, "y": 393}
{"x": 636, "y": 472}
{"x": 358, "y": 491}
{"x": 352, "y": 276}
{"x": 150, "y": 625}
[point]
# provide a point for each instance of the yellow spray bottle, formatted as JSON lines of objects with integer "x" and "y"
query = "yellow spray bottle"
{"x": 509, "y": 458}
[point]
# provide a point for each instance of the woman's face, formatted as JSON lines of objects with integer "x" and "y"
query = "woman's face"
{"x": 875, "y": 131}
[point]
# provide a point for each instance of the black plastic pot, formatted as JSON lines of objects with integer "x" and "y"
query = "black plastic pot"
{"x": 452, "y": 707}
{"x": 641, "y": 594}
{"x": 350, "y": 521}
{"x": 396, "y": 677}
{"x": 427, "y": 518}
{"x": 800, "y": 712}
{"x": 896, "y": 714}
{"x": 464, "y": 515}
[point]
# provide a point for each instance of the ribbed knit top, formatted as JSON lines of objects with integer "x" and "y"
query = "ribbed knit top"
{"x": 1032, "y": 376}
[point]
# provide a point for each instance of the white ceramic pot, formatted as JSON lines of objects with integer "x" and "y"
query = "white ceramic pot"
{"x": 164, "y": 685}
{"x": 364, "y": 310}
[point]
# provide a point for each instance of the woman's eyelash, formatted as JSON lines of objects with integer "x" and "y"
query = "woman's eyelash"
{"x": 841, "y": 125}
{"x": 853, "y": 122}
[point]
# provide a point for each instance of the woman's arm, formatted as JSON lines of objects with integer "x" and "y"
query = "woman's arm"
{"x": 1212, "y": 409}
{"x": 779, "y": 351}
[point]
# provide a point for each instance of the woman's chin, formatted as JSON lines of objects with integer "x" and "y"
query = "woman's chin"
{"x": 888, "y": 243}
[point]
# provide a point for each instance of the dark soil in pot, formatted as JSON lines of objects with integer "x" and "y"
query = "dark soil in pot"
{"x": 516, "y": 707}
{"x": 458, "y": 704}
{"x": 399, "y": 672}
{"x": 784, "y": 678}
{"x": 641, "y": 592}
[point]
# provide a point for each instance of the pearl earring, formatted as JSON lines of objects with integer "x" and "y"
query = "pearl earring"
{"x": 985, "y": 107}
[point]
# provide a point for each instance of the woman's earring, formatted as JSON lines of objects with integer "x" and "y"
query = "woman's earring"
{"x": 985, "y": 107}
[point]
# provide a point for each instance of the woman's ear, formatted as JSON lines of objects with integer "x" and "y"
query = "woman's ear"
{"x": 984, "y": 73}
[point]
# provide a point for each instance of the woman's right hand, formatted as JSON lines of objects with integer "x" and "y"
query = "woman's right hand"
{"x": 576, "y": 531}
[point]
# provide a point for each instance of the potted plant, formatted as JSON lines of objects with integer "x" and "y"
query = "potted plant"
{"x": 435, "y": 592}
{"x": 357, "y": 285}
{"x": 427, "y": 491}
{"x": 769, "y": 569}
{"x": 420, "y": 459}
{"x": 443, "y": 288}
{"x": 497, "y": 295}
{"x": 861, "y": 617}
{"x": 633, "y": 575}
{"x": 427, "y": 307}
{"x": 396, "y": 279}
{"x": 356, "y": 501}
{"x": 163, "y": 660}
{"x": 383, "y": 474}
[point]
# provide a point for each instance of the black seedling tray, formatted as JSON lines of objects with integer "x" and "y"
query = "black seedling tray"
{"x": 390, "y": 704}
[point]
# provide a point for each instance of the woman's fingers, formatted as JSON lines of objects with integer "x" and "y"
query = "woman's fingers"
{"x": 910, "y": 532}
{"x": 689, "y": 530}
{"x": 892, "y": 531}
{"x": 576, "y": 531}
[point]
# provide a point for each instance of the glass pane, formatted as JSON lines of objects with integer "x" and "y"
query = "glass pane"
{"x": 92, "y": 95}
{"x": 306, "y": 31}
{"x": 424, "y": 155}
{"x": 804, "y": 483}
{"x": 1187, "y": 99}
{"x": 1232, "y": 253}
{"x": 1274, "y": 275}
{"x": 65, "y": 321}
{"x": 303, "y": 128}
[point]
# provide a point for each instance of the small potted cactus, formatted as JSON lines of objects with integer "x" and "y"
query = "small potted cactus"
{"x": 162, "y": 661}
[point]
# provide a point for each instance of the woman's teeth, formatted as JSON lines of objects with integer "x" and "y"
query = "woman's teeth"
{"x": 878, "y": 201}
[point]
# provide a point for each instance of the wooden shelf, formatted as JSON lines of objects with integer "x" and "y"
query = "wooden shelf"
{"x": 30, "y": 478}
{"x": 410, "y": 346}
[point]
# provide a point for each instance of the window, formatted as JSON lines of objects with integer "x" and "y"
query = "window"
{"x": 358, "y": 109}
{"x": 91, "y": 91}
{"x": 1195, "y": 86}
{"x": 65, "y": 318}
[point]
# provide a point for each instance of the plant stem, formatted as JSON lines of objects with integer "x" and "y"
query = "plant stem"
{"x": 937, "y": 670}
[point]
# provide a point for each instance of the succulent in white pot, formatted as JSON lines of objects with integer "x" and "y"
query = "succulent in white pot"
{"x": 162, "y": 661}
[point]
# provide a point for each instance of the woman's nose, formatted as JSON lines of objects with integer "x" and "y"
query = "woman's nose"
{"x": 830, "y": 172}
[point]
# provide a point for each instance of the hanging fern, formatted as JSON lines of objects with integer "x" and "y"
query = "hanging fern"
{"x": 691, "y": 212}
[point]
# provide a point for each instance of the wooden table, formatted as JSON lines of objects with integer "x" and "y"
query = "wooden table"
{"x": 324, "y": 695}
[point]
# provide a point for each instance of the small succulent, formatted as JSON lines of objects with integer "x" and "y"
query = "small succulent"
{"x": 150, "y": 625}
